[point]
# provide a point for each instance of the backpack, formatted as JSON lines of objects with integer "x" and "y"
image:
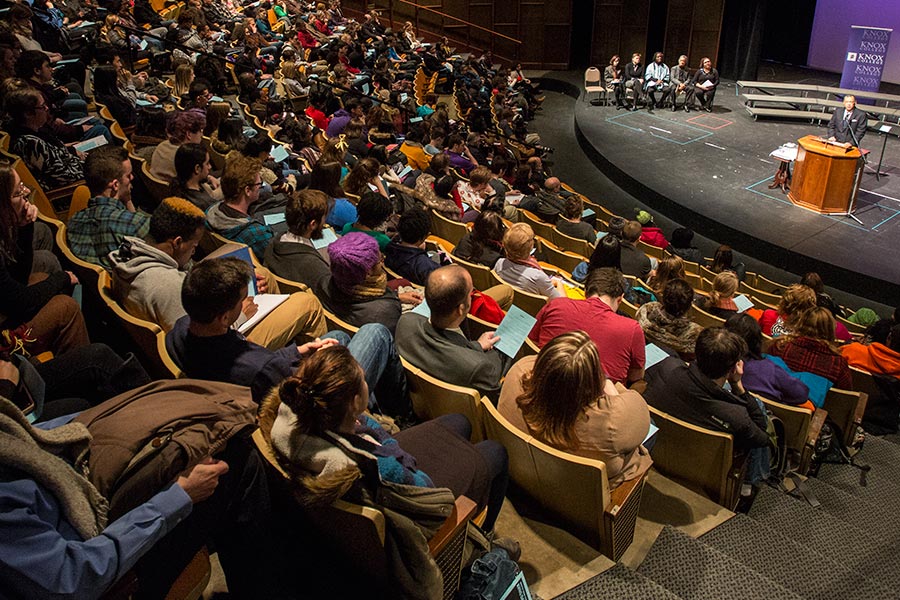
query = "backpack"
{"x": 493, "y": 576}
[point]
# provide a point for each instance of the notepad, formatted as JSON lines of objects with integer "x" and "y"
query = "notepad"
{"x": 242, "y": 253}
{"x": 588, "y": 212}
{"x": 80, "y": 121}
{"x": 68, "y": 61}
{"x": 742, "y": 302}
{"x": 328, "y": 236}
{"x": 216, "y": 99}
{"x": 415, "y": 120}
{"x": 514, "y": 199}
{"x": 88, "y": 145}
{"x": 266, "y": 303}
{"x": 142, "y": 102}
{"x": 143, "y": 45}
{"x": 274, "y": 219}
{"x": 279, "y": 153}
{"x": 653, "y": 355}
{"x": 885, "y": 129}
{"x": 465, "y": 206}
{"x": 422, "y": 309}
{"x": 513, "y": 330}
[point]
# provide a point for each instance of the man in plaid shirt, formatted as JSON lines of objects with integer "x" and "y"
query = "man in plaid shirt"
{"x": 110, "y": 215}
{"x": 230, "y": 218}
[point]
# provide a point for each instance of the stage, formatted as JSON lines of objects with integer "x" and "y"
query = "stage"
{"x": 711, "y": 172}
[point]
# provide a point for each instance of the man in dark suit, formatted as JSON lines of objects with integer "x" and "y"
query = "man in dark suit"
{"x": 438, "y": 346}
{"x": 848, "y": 125}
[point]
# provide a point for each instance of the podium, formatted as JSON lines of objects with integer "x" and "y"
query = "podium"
{"x": 826, "y": 176}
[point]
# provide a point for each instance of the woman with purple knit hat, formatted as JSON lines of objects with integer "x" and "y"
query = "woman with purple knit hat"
{"x": 357, "y": 290}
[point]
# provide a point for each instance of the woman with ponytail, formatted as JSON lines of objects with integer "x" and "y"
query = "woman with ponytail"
{"x": 720, "y": 301}
{"x": 323, "y": 431}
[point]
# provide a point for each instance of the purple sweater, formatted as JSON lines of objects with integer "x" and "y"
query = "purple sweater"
{"x": 768, "y": 379}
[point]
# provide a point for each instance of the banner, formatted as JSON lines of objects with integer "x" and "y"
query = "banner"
{"x": 866, "y": 55}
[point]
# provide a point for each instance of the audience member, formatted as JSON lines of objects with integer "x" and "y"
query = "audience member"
{"x": 326, "y": 177}
{"x": 666, "y": 323}
{"x": 52, "y": 163}
{"x": 876, "y": 358}
{"x": 110, "y": 216}
{"x": 720, "y": 301}
{"x": 681, "y": 245}
{"x": 650, "y": 233}
{"x": 371, "y": 213}
{"x": 185, "y": 127}
{"x": 570, "y": 222}
{"x": 483, "y": 244}
{"x": 437, "y": 344}
{"x": 357, "y": 290}
{"x": 230, "y": 218}
{"x": 562, "y": 398}
{"x": 322, "y": 406}
{"x": 520, "y": 269}
{"x": 669, "y": 268}
{"x": 795, "y": 300}
{"x": 406, "y": 255}
{"x": 619, "y": 340}
{"x": 810, "y": 348}
{"x": 192, "y": 180}
{"x": 634, "y": 261}
{"x": 292, "y": 255}
{"x": 763, "y": 376}
{"x": 697, "y": 393}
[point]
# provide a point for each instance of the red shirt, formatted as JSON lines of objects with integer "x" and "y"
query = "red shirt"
{"x": 318, "y": 117}
{"x": 619, "y": 340}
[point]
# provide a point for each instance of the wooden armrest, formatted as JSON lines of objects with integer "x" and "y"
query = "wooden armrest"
{"x": 463, "y": 510}
{"x": 860, "y": 408}
{"x": 62, "y": 192}
{"x": 619, "y": 496}
{"x": 815, "y": 426}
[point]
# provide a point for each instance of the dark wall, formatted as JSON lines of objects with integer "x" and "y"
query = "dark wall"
{"x": 540, "y": 28}
{"x": 788, "y": 29}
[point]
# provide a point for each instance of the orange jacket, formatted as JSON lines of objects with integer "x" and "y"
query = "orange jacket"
{"x": 875, "y": 358}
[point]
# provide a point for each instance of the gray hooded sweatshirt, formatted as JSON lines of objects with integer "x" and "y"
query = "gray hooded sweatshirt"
{"x": 147, "y": 282}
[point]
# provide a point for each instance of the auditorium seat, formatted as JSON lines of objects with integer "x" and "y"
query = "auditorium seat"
{"x": 802, "y": 427}
{"x": 432, "y": 398}
{"x": 700, "y": 459}
{"x": 572, "y": 491}
{"x": 358, "y": 531}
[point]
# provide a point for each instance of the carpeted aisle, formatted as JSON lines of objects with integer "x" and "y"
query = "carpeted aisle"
{"x": 848, "y": 547}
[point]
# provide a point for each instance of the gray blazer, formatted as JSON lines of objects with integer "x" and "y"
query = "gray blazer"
{"x": 450, "y": 356}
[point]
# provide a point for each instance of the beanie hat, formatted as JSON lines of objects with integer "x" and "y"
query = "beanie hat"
{"x": 352, "y": 257}
{"x": 643, "y": 217}
{"x": 864, "y": 317}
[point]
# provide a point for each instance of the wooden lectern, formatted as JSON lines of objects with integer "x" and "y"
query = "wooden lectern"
{"x": 825, "y": 176}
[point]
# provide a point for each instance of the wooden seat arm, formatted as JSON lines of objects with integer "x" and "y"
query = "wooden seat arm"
{"x": 619, "y": 496}
{"x": 463, "y": 510}
{"x": 815, "y": 426}
{"x": 860, "y": 408}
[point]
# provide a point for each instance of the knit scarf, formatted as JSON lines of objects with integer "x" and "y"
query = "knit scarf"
{"x": 36, "y": 453}
{"x": 372, "y": 287}
{"x": 531, "y": 261}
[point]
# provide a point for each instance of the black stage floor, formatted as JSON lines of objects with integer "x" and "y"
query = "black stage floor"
{"x": 711, "y": 172}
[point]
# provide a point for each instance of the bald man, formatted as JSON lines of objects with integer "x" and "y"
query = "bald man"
{"x": 548, "y": 203}
{"x": 438, "y": 346}
{"x": 848, "y": 125}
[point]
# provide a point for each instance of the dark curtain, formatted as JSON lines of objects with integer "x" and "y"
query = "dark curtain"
{"x": 740, "y": 47}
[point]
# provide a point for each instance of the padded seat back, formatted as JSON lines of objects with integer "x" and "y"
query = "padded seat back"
{"x": 698, "y": 458}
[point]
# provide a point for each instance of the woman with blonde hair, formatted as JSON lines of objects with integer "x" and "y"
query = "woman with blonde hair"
{"x": 184, "y": 76}
{"x": 720, "y": 301}
{"x": 562, "y": 398}
{"x": 520, "y": 269}
{"x": 796, "y": 299}
{"x": 810, "y": 348}
{"x": 671, "y": 267}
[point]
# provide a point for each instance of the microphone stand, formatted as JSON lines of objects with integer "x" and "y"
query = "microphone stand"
{"x": 851, "y": 208}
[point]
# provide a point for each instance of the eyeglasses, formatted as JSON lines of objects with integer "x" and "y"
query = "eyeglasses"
{"x": 23, "y": 191}
{"x": 42, "y": 107}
